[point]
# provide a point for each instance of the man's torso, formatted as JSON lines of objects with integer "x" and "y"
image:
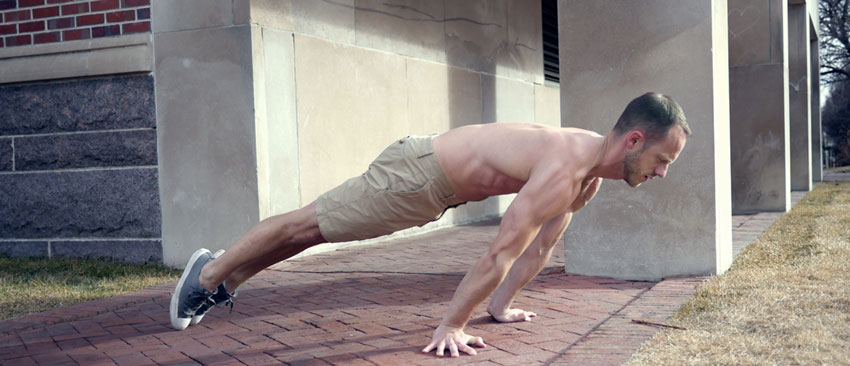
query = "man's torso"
{"x": 499, "y": 158}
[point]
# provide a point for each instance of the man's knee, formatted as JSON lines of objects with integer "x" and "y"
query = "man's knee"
{"x": 305, "y": 227}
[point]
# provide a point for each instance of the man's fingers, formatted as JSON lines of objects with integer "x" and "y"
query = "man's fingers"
{"x": 453, "y": 348}
{"x": 429, "y": 347}
{"x": 441, "y": 348}
{"x": 468, "y": 350}
{"x": 477, "y": 341}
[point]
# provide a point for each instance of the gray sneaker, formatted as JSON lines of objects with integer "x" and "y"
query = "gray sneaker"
{"x": 189, "y": 295}
{"x": 218, "y": 298}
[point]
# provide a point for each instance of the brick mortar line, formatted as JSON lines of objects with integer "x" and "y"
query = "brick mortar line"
{"x": 60, "y": 16}
{"x": 79, "y": 170}
{"x": 77, "y": 239}
{"x": 584, "y": 336}
{"x": 50, "y": 134}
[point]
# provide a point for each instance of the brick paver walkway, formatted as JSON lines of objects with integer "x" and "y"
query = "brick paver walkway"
{"x": 367, "y": 305}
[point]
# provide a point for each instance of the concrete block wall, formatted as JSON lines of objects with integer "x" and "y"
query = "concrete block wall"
{"x": 799, "y": 25}
{"x": 32, "y": 22}
{"x": 78, "y": 173}
{"x": 679, "y": 225}
{"x": 300, "y": 95}
{"x": 817, "y": 130}
{"x": 759, "y": 114}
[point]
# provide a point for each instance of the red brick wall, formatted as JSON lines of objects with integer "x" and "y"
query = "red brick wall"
{"x": 27, "y": 22}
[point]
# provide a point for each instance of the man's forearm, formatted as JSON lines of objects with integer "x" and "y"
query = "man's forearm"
{"x": 529, "y": 264}
{"x": 522, "y": 272}
{"x": 486, "y": 275}
{"x": 478, "y": 283}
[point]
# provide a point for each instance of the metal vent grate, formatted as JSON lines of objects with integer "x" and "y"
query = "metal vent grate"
{"x": 550, "y": 40}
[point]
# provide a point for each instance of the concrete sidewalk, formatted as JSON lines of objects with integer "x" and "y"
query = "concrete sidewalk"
{"x": 367, "y": 305}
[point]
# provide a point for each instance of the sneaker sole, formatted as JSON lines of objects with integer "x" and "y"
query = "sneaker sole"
{"x": 197, "y": 319}
{"x": 176, "y": 322}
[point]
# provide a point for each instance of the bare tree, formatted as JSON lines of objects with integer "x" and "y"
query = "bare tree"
{"x": 835, "y": 40}
{"x": 835, "y": 72}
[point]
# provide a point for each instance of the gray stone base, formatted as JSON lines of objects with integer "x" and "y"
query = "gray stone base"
{"x": 78, "y": 169}
{"x": 23, "y": 249}
{"x": 127, "y": 251}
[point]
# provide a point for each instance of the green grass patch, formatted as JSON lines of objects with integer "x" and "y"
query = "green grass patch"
{"x": 785, "y": 300}
{"x": 32, "y": 285}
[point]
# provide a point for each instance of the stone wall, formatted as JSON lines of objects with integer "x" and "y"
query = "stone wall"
{"x": 758, "y": 78}
{"x": 679, "y": 225}
{"x": 78, "y": 169}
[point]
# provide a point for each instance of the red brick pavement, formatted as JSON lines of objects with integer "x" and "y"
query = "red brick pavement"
{"x": 367, "y": 305}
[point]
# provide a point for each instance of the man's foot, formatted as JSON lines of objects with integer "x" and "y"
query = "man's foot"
{"x": 189, "y": 295}
{"x": 220, "y": 296}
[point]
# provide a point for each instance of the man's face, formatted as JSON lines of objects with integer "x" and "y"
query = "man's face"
{"x": 649, "y": 161}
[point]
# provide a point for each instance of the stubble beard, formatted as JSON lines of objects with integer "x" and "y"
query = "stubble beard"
{"x": 633, "y": 178}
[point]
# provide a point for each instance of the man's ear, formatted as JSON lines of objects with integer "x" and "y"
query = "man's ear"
{"x": 635, "y": 140}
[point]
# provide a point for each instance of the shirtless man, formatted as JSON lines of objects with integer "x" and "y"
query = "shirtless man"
{"x": 554, "y": 171}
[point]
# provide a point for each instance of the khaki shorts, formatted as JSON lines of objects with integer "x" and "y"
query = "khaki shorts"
{"x": 404, "y": 187}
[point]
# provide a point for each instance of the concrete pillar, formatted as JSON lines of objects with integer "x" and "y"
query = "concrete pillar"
{"x": 758, "y": 106}
{"x": 612, "y": 51}
{"x": 218, "y": 138}
{"x": 817, "y": 134}
{"x": 798, "y": 98}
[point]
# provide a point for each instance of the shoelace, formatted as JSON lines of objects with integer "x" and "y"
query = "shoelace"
{"x": 202, "y": 299}
{"x": 227, "y": 301}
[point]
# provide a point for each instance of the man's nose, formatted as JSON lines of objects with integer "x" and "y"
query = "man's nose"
{"x": 661, "y": 171}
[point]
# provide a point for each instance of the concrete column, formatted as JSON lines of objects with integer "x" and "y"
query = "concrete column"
{"x": 218, "y": 138}
{"x": 799, "y": 102}
{"x": 612, "y": 51}
{"x": 817, "y": 134}
{"x": 758, "y": 106}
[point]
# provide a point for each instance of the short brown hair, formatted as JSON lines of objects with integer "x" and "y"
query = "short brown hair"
{"x": 653, "y": 114}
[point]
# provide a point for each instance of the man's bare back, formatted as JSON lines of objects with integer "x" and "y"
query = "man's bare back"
{"x": 499, "y": 158}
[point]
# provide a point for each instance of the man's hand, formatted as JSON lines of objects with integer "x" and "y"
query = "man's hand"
{"x": 455, "y": 339}
{"x": 589, "y": 187}
{"x": 512, "y": 315}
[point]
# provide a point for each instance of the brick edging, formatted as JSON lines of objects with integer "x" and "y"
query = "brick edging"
{"x": 85, "y": 309}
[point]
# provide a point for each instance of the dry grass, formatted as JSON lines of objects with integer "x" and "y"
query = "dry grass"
{"x": 841, "y": 169}
{"x": 30, "y": 286}
{"x": 785, "y": 301}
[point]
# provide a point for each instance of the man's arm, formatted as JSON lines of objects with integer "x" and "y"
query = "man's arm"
{"x": 525, "y": 268}
{"x": 544, "y": 196}
{"x": 535, "y": 257}
{"x": 589, "y": 187}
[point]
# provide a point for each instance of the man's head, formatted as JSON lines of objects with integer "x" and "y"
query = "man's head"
{"x": 654, "y": 130}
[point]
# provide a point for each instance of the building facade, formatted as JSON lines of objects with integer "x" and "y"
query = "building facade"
{"x": 142, "y": 130}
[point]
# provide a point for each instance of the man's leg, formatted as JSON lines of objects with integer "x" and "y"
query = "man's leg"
{"x": 272, "y": 240}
